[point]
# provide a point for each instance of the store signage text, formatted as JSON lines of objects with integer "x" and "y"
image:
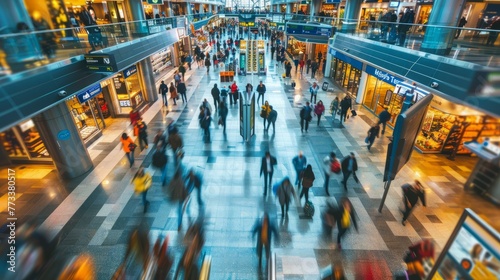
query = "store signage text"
{"x": 384, "y": 76}
{"x": 100, "y": 62}
{"x": 129, "y": 72}
{"x": 90, "y": 92}
{"x": 63, "y": 135}
{"x": 155, "y": 2}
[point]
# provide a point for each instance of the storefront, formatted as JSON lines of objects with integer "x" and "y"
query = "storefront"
{"x": 90, "y": 111}
{"x": 448, "y": 125}
{"x": 162, "y": 62}
{"x": 371, "y": 12}
{"x": 128, "y": 90}
{"x": 295, "y": 48}
{"x": 346, "y": 72}
{"x": 22, "y": 143}
{"x": 381, "y": 92}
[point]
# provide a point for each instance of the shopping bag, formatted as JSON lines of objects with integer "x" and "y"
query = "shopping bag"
{"x": 367, "y": 141}
{"x": 276, "y": 187}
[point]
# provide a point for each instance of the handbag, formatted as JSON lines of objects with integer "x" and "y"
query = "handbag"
{"x": 132, "y": 147}
{"x": 367, "y": 140}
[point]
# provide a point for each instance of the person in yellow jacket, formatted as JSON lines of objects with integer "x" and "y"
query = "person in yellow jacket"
{"x": 264, "y": 112}
{"x": 142, "y": 182}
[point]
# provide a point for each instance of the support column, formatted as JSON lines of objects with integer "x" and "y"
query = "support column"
{"x": 328, "y": 64}
{"x": 315, "y": 9}
{"x": 438, "y": 40}
{"x": 135, "y": 10}
{"x": 170, "y": 9}
{"x": 147, "y": 78}
{"x": 23, "y": 48}
{"x": 189, "y": 8}
{"x": 288, "y": 8}
{"x": 351, "y": 16}
{"x": 62, "y": 140}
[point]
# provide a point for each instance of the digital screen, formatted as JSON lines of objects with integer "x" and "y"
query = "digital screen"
{"x": 394, "y": 4}
{"x": 474, "y": 253}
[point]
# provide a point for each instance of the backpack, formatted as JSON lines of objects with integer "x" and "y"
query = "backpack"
{"x": 335, "y": 167}
{"x": 159, "y": 159}
{"x": 302, "y": 113}
{"x": 309, "y": 209}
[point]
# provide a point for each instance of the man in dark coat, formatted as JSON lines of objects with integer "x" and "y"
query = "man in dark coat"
{"x": 314, "y": 68}
{"x": 411, "y": 194}
{"x": 271, "y": 118}
{"x": 349, "y": 166}
{"x": 261, "y": 89}
{"x": 223, "y": 111}
{"x": 264, "y": 229}
{"x": 407, "y": 19}
{"x": 384, "y": 117}
{"x": 267, "y": 168}
{"x": 345, "y": 105}
{"x": 163, "y": 90}
{"x": 181, "y": 89}
{"x": 216, "y": 96}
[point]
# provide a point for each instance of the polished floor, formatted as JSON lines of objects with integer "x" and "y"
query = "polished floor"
{"x": 96, "y": 213}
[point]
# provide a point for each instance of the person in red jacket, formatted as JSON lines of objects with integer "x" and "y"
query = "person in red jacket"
{"x": 234, "y": 93}
{"x": 301, "y": 65}
{"x": 319, "y": 109}
{"x": 134, "y": 116}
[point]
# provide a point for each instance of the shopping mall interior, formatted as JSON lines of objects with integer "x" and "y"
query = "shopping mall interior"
{"x": 75, "y": 75}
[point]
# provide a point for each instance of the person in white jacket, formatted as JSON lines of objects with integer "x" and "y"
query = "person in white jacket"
{"x": 327, "y": 162}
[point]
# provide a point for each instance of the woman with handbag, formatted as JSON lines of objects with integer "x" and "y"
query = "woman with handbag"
{"x": 128, "y": 147}
{"x": 173, "y": 93}
{"x": 307, "y": 182}
{"x": 319, "y": 109}
{"x": 142, "y": 182}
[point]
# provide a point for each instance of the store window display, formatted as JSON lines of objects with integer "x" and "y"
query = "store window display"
{"x": 347, "y": 76}
{"x": 89, "y": 116}
{"x": 24, "y": 142}
{"x": 128, "y": 90}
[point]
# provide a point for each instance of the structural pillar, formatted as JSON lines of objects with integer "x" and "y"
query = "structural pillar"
{"x": 189, "y": 8}
{"x": 315, "y": 9}
{"x": 351, "y": 16}
{"x": 62, "y": 140}
{"x": 170, "y": 10}
{"x": 148, "y": 81}
{"x": 288, "y": 8}
{"x": 438, "y": 40}
{"x": 135, "y": 10}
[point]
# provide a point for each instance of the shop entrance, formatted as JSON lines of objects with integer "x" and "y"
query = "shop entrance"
{"x": 346, "y": 76}
{"x": 379, "y": 95}
{"x": 22, "y": 143}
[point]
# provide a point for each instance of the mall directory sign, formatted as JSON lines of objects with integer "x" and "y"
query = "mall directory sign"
{"x": 472, "y": 252}
{"x": 101, "y": 62}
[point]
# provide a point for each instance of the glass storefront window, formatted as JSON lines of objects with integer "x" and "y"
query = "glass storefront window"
{"x": 379, "y": 94}
{"x": 24, "y": 142}
{"x": 128, "y": 90}
{"x": 347, "y": 76}
{"x": 86, "y": 116}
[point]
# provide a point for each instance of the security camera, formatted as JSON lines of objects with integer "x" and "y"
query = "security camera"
{"x": 62, "y": 93}
{"x": 434, "y": 85}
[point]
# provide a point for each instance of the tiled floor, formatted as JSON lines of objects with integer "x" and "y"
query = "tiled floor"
{"x": 96, "y": 213}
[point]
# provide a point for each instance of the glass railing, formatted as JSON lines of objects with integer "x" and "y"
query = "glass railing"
{"x": 28, "y": 50}
{"x": 199, "y": 17}
{"x": 465, "y": 44}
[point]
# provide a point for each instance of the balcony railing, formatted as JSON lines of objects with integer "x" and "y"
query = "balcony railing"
{"x": 28, "y": 50}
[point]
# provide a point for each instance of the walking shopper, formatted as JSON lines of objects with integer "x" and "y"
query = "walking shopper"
{"x": 195, "y": 181}
{"x": 173, "y": 92}
{"x": 223, "y": 111}
{"x": 314, "y": 92}
{"x": 330, "y": 164}
{"x": 176, "y": 144}
{"x": 142, "y": 182}
{"x": 128, "y": 146}
{"x": 372, "y": 133}
{"x": 181, "y": 89}
{"x": 305, "y": 117}
{"x": 208, "y": 63}
{"x": 345, "y": 105}
{"x": 264, "y": 112}
{"x": 140, "y": 130}
{"x": 314, "y": 68}
{"x": 334, "y": 107}
{"x": 285, "y": 193}
{"x": 261, "y": 89}
{"x": 234, "y": 93}
{"x": 307, "y": 182}
{"x": 216, "y": 96}
{"x": 265, "y": 230}
{"x": 349, "y": 166}
{"x": 301, "y": 65}
{"x": 319, "y": 109}
{"x": 205, "y": 120}
{"x": 299, "y": 164}
{"x": 384, "y": 117}
{"x": 411, "y": 194}
{"x": 223, "y": 95}
{"x": 345, "y": 217}
{"x": 159, "y": 157}
{"x": 267, "y": 168}
{"x": 271, "y": 118}
{"x": 163, "y": 90}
